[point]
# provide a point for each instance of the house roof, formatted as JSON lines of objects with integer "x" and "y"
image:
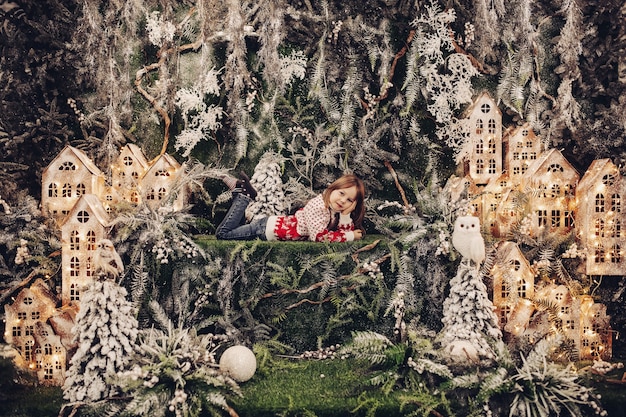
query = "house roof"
{"x": 548, "y": 157}
{"x": 136, "y": 152}
{"x": 164, "y": 161}
{"x": 481, "y": 98}
{"x": 92, "y": 202}
{"x": 597, "y": 168}
{"x": 80, "y": 155}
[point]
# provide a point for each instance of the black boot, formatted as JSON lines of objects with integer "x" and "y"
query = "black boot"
{"x": 246, "y": 187}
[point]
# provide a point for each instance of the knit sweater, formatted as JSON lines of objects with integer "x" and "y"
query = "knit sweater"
{"x": 310, "y": 223}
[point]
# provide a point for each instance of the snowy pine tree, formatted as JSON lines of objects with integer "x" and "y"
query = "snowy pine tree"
{"x": 469, "y": 319}
{"x": 267, "y": 182}
{"x": 105, "y": 331}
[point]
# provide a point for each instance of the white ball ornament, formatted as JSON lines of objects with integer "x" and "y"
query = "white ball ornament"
{"x": 238, "y": 362}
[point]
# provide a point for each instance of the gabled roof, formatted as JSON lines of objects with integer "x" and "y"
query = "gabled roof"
{"x": 95, "y": 206}
{"x": 136, "y": 152}
{"x": 481, "y": 98}
{"x": 593, "y": 174}
{"x": 514, "y": 131}
{"x": 80, "y": 155}
{"x": 510, "y": 249}
{"x": 164, "y": 161}
{"x": 548, "y": 157}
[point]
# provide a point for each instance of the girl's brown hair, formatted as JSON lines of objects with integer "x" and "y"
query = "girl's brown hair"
{"x": 347, "y": 181}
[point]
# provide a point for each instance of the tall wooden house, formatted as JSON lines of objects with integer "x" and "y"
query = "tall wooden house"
{"x": 513, "y": 280}
{"x": 600, "y": 218}
{"x": 69, "y": 176}
{"x": 127, "y": 172}
{"x": 550, "y": 183}
{"x": 84, "y": 226}
{"x": 522, "y": 149}
{"x": 484, "y": 125}
{"x": 489, "y": 204}
{"x": 159, "y": 181}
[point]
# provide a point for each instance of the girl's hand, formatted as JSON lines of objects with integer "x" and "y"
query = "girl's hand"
{"x": 358, "y": 234}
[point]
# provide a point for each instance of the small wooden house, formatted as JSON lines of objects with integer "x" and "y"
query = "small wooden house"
{"x": 159, "y": 181}
{"x": 522, "y": 148}
{"x": 596, "y": 340}
{"x": 550, "y": 183}
{"x": 84, "y": 226}
{"x": 69, "y": 176}
{"x": 484, "y": 124}
{"x": 127, "y": 171}
{"x": 600, "y": 218}
{"x": 49, "y": 355}
{"x": 32, "y": 305}
{"x": 513, "y": 280}
{"x": 490, "y": 201}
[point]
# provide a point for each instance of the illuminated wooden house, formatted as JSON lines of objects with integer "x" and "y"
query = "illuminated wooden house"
{"x": 484, "y": 133}
{"x": 69, "y": 176}
{"x": 489, "y": 204}
{"x": 83, "y": 227}
{"x": 159, "y": 181}
{"x": 596, "y": 339}
{"x": 26, "y": 330}
{"x": 50, "y": 356}
{"x": 550, "y": 184}
{"x": 513, "y": 282}
{"x": 127, "y": 171}
{"x": 600, "y": 218}
{"x": 522, "y": 148}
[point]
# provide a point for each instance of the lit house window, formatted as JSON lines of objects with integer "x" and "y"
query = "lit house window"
{"x": 67, "y": 166}
{"x": 66, "y": 191}
{"x": 599, "y": 203}
{"x": 555, "y": 168}
{"x": 480, "y": 166}
{"x": 616, "y": 203}
{"x": 91, "y": 240}
{"x": 616, "y": 255}
{"x": 82, "y": 216}
{"x": 599, "y": 227}
{"x": 521, "y": 288}
{"x": 52, "y": 190}
{"x": 74, "y": 293}
{"x": 74, "y": 240}
{"x": 542, "y": 218}
{"x": 505, "y": 293}
{"x": 479, "y": 126}
{"x": 599, "y": 255}
{"x": 74, "y": 267}
{"x": 479, "y": 146}
{"x": 608, "y": 180}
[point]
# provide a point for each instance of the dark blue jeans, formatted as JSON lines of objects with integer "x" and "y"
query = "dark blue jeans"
{"x": 234, "y": 227}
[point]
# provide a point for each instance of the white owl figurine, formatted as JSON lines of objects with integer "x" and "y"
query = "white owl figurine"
{"x": 107, "y": 261}
{"x": 466, "y": 239}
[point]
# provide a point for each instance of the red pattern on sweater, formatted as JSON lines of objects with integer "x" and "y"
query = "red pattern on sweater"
{"x": 311, "y": 222}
